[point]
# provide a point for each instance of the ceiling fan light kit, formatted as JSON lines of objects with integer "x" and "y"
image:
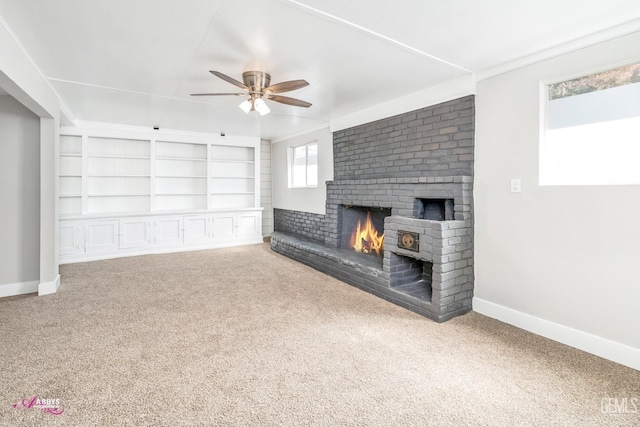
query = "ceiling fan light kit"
{"x": 260, "y": 106}
{"x": 255, "y": 104}
{"x": 257, "y": 84}
{"x": 246, "y": 105}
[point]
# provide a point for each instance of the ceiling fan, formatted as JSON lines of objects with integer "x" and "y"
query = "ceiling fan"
{"x": 257, "y": 85}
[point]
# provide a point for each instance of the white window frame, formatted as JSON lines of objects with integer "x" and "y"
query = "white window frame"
{"x": 293, "y": 183}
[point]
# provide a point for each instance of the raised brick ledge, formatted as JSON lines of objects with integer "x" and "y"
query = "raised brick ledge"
{"x": 368, "y": 278}
{"x": 335, "y": 255}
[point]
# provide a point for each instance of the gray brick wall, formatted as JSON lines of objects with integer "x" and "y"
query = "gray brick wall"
{"x": 303, "y": 224}
{"x": 433, "y": 141}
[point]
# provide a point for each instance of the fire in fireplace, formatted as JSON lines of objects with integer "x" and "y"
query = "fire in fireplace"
{"x": 362, "y": 229}
{"x": 366, "y": 239}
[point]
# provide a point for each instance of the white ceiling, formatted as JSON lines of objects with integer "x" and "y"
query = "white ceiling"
{"x": 135, "y": 62}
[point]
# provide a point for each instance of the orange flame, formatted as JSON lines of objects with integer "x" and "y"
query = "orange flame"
{"x": 367, "y": 239}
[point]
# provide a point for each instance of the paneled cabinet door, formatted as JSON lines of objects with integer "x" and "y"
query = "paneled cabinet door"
{"x": 249, "y": 225}
{"x": 169, "y": 230}
{"x": 197, "y": 228}
{"x": 136, "y": 232}
{"x": 71, "y": 239}
{"x": 224, "y": 227}
{"x": 102, "y": 236}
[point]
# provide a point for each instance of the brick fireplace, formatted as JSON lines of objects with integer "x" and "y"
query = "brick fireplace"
{"x": 414, "y": 174}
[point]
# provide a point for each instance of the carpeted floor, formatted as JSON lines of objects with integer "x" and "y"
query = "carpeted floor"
{"x": 244, "y": 336}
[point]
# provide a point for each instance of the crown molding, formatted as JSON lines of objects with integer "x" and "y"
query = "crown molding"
{"x": 561, "y": 49}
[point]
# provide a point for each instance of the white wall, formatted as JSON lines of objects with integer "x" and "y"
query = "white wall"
{"x": 560, "y": 261}
{"x": 266, "y": 200}
{"x": 20, "y": 193}
{"x": 302, "y": 199}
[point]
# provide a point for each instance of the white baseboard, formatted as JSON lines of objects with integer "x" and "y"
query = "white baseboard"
{"x": 593, "y": 344}
{"x": 13, "y": 289}
{"x": 47, "y": 288}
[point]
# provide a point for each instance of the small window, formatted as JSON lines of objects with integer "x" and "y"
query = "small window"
{"x": 592, "y": 130}
{"x": 303, "y": 166}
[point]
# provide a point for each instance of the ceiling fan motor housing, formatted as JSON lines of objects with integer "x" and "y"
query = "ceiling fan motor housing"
{"x": 257, "y": 81}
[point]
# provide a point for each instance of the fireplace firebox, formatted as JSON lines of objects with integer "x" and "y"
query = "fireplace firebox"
{"x": 363, "y": 229}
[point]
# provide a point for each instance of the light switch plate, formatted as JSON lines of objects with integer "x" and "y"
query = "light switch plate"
{"x": 516, "y": 186}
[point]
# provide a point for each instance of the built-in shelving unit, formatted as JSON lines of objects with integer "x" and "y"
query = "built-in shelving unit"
{"x": 181, "y": 176}
{"x": 126, "y": 192}
{"x": 119, "y": 175}
{"x": 70, "y": 175}
{"x": 232, "y": 176}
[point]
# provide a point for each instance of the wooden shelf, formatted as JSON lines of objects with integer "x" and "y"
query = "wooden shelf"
{"x": 184, "y": 159}
{"x": 70, "y": 155}
{"x": 232, "y": 193}
{"x": 181, "y": 176}
{"x": 69, "y": 195}
{"x": 231, "y": 161}
{"x": 119, "y": 176}
{"x": 119, "y": 195}
{"x": 107, "y": 156}
{"x": 181, "y": 194}
{"x": 69, "y": 175}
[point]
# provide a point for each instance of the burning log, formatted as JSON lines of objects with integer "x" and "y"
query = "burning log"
{"x": 366, "y": 239}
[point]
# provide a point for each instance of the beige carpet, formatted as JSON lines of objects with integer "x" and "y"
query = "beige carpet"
{"x": 244, "y": 336}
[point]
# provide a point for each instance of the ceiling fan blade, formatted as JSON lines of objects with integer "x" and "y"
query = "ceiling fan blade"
{"x": 286, "y": 86}
{"x": 289, "y": 101}
{"x": 218, "y": 94}
{"x": 229, "y": 79}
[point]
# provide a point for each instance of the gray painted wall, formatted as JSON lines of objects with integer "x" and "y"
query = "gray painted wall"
{"x": 560, "y": 261}
{"x": 20, "y": 193}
